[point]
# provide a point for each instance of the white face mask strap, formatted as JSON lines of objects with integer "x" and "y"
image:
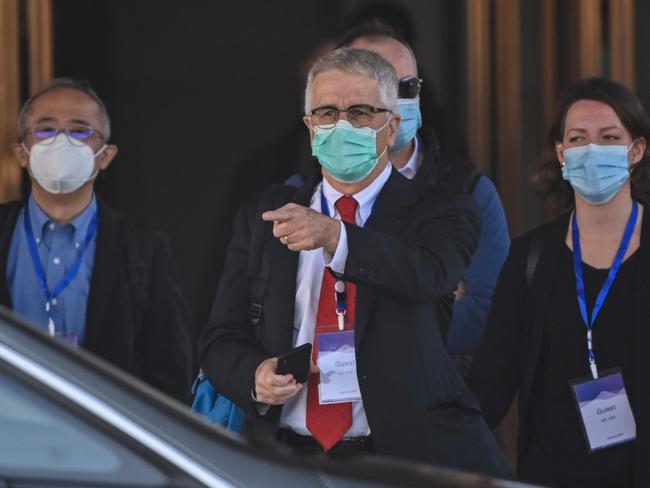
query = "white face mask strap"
{"x": 382, "y": 153}
{"x": 387, "y": 122}
{"x": 101, "y": 150}
{"x": 631, "y": 145}
{"x": 28, "y": 167}
{"x": 382, "y": 128}
{"x": 96, "y": 172}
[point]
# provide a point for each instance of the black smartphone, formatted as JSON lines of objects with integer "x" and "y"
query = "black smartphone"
{"x": 295, "y": 362}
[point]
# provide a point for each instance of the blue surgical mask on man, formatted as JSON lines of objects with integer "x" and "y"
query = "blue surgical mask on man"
{"x": 596, "y": 172}
{"x": 347, "y": 153}
{"x": 410, "y": 122}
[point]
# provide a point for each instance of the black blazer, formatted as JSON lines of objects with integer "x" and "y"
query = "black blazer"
{"x": 148, "y": 339}
{"x": 413, "y": 250}
{"x": 507, "y": 359}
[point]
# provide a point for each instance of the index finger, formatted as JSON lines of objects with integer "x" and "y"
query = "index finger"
{"x": 281, "y": 214}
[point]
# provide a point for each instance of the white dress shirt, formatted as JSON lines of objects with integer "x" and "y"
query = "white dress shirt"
{"x": 308, "y": 283}
{"x": 413, "y": 164}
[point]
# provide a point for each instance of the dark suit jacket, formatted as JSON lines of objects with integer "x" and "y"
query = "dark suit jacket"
{"x": 507, "y": 360}
{"x": 413, "y": 250}
{"x": 149, "y": 340}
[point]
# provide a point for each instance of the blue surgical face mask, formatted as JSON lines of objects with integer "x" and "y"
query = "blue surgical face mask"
{"x": 596, "y": 172}
{"x": 347, "y": 153}
{"x": 410, "y": 122}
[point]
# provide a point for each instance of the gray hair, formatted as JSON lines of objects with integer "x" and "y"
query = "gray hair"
{"x": 358, "y": 62}
{"x": 68, "y": 84}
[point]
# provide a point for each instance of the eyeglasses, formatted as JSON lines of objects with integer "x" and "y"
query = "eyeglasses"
{"x": 409, "y": 87}
{"x": 358, "y": 115}
{"x": 77, "y": 135}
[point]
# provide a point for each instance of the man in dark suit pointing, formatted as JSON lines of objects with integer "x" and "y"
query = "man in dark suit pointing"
{"x": 356, "y": 264}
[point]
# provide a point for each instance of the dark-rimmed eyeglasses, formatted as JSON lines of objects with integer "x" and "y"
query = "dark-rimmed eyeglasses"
{"x": 45, "y": 133}
{"x": 358, "y": 115}
{"x": 409, "y": 87}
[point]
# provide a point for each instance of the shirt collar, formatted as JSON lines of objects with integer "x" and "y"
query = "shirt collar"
{"x": 365, "y": 198}
{"x": 79, "y": 224}
{"x": 411, "y": 167}
{"x": 38, "y": 218}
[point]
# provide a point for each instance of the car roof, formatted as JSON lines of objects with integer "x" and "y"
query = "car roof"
{"x": 206, "y": 453}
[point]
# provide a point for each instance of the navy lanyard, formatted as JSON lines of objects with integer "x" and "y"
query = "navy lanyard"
{"x": 602, "y": 294}
{"x": 339, "y": 287}
{"x": 38, "y": 266}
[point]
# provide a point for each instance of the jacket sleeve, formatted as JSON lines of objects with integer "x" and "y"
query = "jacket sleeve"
{"x": 423, "y": 263}
{"x": 497, "y": 371}
{"x": 166, "y": 342}
{"x": 228, "y": 342}
{"x": 470, "y": 312}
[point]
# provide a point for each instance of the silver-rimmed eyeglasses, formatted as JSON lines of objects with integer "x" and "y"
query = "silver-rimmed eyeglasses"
{"x": 78, "y": 135}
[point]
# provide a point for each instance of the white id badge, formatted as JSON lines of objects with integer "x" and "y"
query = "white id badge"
{"x": 605, "y": 410}
{"x": 338, "y": 368}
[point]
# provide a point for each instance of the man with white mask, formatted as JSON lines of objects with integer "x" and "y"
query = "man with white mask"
{"x": 76, "y": 269}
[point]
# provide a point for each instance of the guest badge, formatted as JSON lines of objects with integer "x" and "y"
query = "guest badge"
{"x": 605, "y": 410}
{"x": 338, "y": 368}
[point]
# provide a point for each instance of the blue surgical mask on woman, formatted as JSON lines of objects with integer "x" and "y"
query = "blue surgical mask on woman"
{"x": 596, "y": 172}
{"x": 348, "y": 153}
{"x": 410, "y": 122}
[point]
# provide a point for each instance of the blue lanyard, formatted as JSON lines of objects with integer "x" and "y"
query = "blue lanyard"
{"x": 38, "y": 266}
{"x": 602, "y": 294}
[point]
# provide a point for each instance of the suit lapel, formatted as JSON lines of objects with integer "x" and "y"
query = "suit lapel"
{"x": 109, "y": 257}
{"x": 283, "y": 269}
{"x": 11, "y": 212}
{"x": 538, "y": 296}
{"x": 388, "y": 217}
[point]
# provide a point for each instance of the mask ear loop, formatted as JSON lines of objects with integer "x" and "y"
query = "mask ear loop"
{"x": 382, "y": 153}
{"x": 382, "y": 128}
{"x": 96, "y": 173}
{"x": 633, "y": 165}
{"x": 29, "y": 166}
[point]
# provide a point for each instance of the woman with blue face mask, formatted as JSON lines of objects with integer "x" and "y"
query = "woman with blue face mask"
{"x": 569, "y": 328}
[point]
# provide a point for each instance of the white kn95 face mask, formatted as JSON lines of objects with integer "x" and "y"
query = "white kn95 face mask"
{"x": 61, "y": 167}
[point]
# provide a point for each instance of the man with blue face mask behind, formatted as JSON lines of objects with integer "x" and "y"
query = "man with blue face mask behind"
{"x": 357, "y": 262}
{"x": 415, "y": 154}
{"x": 76, "y": 269}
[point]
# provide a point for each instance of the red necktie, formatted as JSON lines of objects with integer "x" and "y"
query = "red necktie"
{"x": 328, "y": 423}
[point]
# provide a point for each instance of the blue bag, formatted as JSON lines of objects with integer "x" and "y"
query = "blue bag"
{"x": 216, "y": 407}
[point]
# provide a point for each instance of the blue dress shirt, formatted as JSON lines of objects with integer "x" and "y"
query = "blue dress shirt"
{"x": 58, "y": 247}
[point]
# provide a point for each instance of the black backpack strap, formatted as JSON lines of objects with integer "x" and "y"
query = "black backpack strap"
{"x": 274, "y": 196}
{"x": 472, "y": 180}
